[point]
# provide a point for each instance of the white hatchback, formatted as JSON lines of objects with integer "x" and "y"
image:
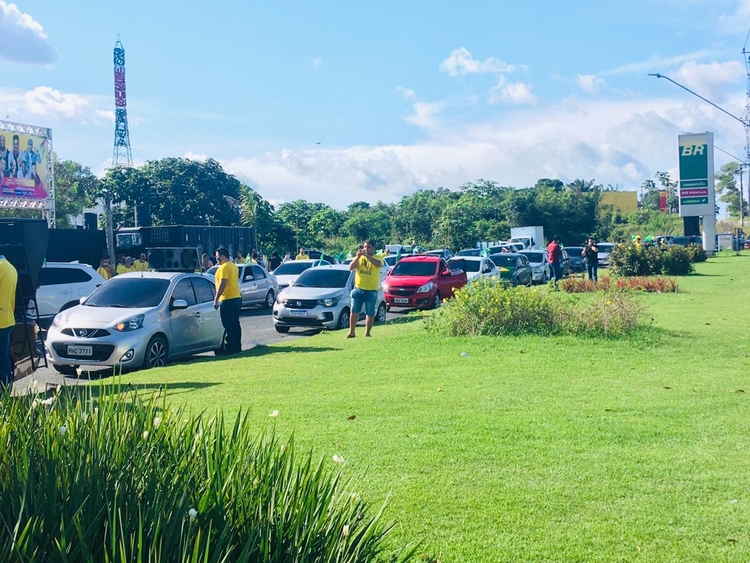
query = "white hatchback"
{"x": 61, "y": 286}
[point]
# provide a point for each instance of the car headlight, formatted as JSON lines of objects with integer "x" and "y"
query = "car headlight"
{"x": 133, "y": 323}
{"x": 279, "y": 300}
{"x": 426, "y": 288}
{"x": 384, "y": 286}
{"x": 57, "y": 322}
{"x": 329, "y": 302}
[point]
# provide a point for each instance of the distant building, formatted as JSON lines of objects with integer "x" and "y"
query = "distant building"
{"x": 619, "y": 202}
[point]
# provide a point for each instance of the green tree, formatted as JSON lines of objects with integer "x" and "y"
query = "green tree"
{"x": 76, "y": 189}
{"x": 726, "y": 185}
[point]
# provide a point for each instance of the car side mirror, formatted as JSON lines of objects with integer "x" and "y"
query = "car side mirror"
{"x": 486, "y": 270}
{"x": 82, "y": 300}
{"x": 179, "y": 304}
{"x": 445, "y": 273}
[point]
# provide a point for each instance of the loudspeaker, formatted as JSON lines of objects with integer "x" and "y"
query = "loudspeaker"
{"x": 142, "y": 216}
{"x": 171, "y": 259}
{"x": 33, "y": 235}
{"x": 89, "y": 221}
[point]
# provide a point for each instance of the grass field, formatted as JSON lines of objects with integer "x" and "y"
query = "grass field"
{"x": 529, "y": 448}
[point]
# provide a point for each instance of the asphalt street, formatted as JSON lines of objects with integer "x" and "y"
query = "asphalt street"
{"x": 257, "y": 329}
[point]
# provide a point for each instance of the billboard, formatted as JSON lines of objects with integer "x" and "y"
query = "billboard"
{"x": 696, "y": 152}
{"x": 24, "y": 161}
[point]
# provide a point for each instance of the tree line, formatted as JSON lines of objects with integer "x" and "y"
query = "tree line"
{"x": 189, "y": 192}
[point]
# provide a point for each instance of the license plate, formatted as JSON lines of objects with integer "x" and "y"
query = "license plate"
{"x": 400, "y": 299}
{"x": 299, "y": 313}
{"x": 80, "y": 350}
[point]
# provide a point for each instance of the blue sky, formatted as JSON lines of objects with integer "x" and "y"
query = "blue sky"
{"x": 400, "y": 96}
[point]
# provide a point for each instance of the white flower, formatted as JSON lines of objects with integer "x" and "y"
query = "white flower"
{"x": 84, "y": 416}
{"x": 274, "y": 414}
{"x": 58, "y": 388}
{"x": 192, "y": 514}
{"x": 35, "y": 385}
{"x": 48, "y": 402}
{"x": 345, "y": 531}
{"x": 157, "y": 422}
{"x": 145, "y": 434}
{"x": 465, "y": 354}
{"x": 63, "y": 430}
{"x": 338, "y": 459}
{"x": 355, "y": 497}
{"x": 35, "y": 403}
{"x": 96, "y": 410}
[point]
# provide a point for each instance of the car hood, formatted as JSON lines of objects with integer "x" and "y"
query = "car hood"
{"x": 286, "y": 279}
{"x": 406, "y": 281}
{"x": 97, "y": 317}
{"x": 307, "y": 293}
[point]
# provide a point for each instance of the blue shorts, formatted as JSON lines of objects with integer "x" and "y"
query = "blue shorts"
{"x": 366, "y": 297}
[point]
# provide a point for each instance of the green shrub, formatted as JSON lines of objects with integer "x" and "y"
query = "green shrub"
{"x": 696, "y": 253}
{"x": 119, "y": 479}
{"x": 484, "y": 307}
{"x": 652, "y": 284}
{"x": 633, "y": 260}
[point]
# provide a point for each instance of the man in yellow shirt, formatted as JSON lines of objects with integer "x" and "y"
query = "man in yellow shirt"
{"x": 126, "y": 267}
{"x": 8, "y": 282}
{"x": 105, "y": 269}
{"x": 302, "y": 255}
{"x": 366, "y": 285}
{"x": 228, "y": 297}
{"x": 141, "y": 265}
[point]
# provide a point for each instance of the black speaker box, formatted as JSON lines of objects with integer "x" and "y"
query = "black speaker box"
{"x": 33, "y": 235}
{"x": 173, "y": 259}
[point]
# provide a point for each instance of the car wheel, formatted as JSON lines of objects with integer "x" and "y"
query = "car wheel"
{"x": 531, "y": 281}
{"x": 343, "y": 320}
{"x": 380, "y": 314}
{"x": 65, "y": 369}
{"x": 157, "y": 353}
{"x": 281, "y": 329}
{"x": 223, "y": 348}
{"x": 436, "y": 300}
{"x": 268, "y": 303}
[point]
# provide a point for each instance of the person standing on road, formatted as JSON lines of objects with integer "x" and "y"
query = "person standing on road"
{"x": 554, "y": 256}
{"x": 591, "y": 257}
{"x": 141, "y": 265}
{"x": 105, "y": 269}
{"x": 366, "y": 285}
{"x": 8, "y": 283}
{"x": 228, "y": 297}
{"x": 302, "y": 255}
{"x": 274, "y": 262}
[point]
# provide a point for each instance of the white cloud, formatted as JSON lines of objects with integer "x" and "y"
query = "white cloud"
{"x": 317, "y": 62}
{"x": 590, "y": 83}
{"x": 659, "y": 63}
{"x": 52, "y": 104}
{"x": 23, "y": 38}
{"x": 407, "y": 93}
{"x": 424, "y": 114}
{"x": 461, "y": 61}
{"x": 511, "y": 93}
{"x": 737, "y": 21}
{"x": 711, "y": 80}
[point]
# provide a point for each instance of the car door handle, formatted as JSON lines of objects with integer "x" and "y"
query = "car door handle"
{"x": 197, "y": 314}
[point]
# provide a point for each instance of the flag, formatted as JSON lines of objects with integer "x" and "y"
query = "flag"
{"x": 341, "y": 257}
{"x": 649, "y": 238}
{"x": 485, "y": 252}
{"x": 398, "y": 255}
{"x": 320, "y": 262}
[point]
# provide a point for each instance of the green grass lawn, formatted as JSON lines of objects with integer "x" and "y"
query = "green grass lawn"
{"x": 530, "y": 448}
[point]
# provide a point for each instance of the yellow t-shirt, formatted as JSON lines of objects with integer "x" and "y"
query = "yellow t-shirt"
{"x": 302, "y": 257}
{"x": 228, "y": 271}
{"x": 8, "y": 282}
{"x": 139, "y": 266}
{"x": 366, "y": 276}
{"x": 103, "y": 272}
{"x": 123, "y": 269}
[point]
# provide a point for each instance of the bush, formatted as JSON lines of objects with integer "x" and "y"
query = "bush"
{"x": 696, "y": 253}
{"x": 86, "y": 479}
{"x": 492, "y": 309}
{"x": 636, "y": 283}
{"x": 632, "y": 260}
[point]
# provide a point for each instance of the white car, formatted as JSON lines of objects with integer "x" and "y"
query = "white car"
{"x": 540, "y": 271}
{"x": 139, "y": 319}
{"x": 320, "y": 298}
{"x": 257, "y": 285}
{"x": 61, "y": 286}
{"x": 287, "y": 272}
{"x": 605, "y": 249}
{"x": 476, "y": 267}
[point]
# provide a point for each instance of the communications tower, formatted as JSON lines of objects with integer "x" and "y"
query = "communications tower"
{"x": 121, "y": 155}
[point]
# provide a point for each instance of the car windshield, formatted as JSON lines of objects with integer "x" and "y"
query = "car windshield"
{"x": 130, "y": 292}
{"x": 292, "y": 268}
{"x": 390, "y": 260}
{"x": 322, "y": 277}
{"x": 605, "y": 247}
{"x": 414, "y": 269}
{"x": 465, "y": 265}
{"x": 504, "y": 261}
{"x": 574, "y": 251}
{"x": 534, "y": 257}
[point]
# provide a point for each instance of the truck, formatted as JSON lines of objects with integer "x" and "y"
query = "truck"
{"x": 531, "y": 237}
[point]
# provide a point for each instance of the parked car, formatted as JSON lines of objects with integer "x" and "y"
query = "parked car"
{"x": 666, "y": 239}
{"x": 442, "y": 252}
{"x": 140, "y": 319}
{"x": 514, "y": 268}
{"x": 257, "y": 285}
{"x": 687, "y": 240}
{"x": 565, "y": 264}
{"x": 470, "y": 252}
{"x": 421, "y": 281}
{"x": 289, "y": 271}
{"x": 61, "y": 286}
{"x": 540, "y": 270}
{"x": 605, "y": 249}
{"x": 320, "y": 298}
{"x": 316, "y": 254}
{"x": 475, "y": 267}
{"x": 575, "y": 253}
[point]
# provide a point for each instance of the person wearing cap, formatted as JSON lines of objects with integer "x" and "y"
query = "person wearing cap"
{"x": 126, "y": 267}
{"x": 141, "y": 265}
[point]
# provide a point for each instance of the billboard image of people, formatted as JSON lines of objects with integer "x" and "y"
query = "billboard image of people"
{"x": 23, "y": 165}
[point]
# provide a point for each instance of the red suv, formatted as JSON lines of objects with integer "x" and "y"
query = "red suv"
{"x": 421, "y": 281}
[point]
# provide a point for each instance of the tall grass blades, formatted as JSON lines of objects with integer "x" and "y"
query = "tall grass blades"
{"x": 657, "y": 284}
{"x": 101, "y": 474}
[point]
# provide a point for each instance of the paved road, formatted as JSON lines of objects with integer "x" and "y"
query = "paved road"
{"x": 257, "y": 329}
